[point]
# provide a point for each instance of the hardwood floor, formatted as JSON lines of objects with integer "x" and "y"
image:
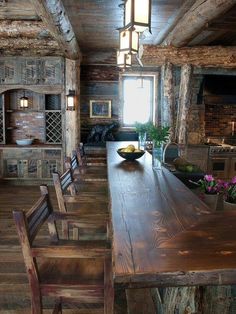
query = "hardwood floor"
{"x": 14, "y": 288}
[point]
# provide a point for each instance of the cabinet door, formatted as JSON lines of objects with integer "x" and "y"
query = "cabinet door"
{"x": 33, "y": 170}
{"x": 9, "y": 73}
{"x": 48, "y": 167}
{"x": 52, "y": 71}
{"x": 10, "y": 168}
{"x": 23, "y": 168}
{"x": 30, "y": 71}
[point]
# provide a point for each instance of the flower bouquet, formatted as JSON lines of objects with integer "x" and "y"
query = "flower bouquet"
{"x": 230, "y": 194}
{"x": 209, "y": 185}
{"x": 211, "y": 188}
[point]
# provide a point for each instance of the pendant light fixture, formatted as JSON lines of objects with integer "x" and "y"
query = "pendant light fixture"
{"x": 137, "y": 19}
{"x": 123, "y": 59}
{"x": 138, "y": 15}
{"x": 129, "y": 41}
{"x": 24, "y": 102}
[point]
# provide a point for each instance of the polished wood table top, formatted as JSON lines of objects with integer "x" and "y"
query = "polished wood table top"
{"x": 163, "y": 234}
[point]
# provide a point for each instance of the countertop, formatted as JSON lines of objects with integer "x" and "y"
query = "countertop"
{"x": 33, "y": 146}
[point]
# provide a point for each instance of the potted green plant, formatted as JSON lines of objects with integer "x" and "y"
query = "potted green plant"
{"x": 159, "y": 135}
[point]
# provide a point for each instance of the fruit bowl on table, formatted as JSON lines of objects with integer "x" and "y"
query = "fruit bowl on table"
{"x": 130, "y": 155}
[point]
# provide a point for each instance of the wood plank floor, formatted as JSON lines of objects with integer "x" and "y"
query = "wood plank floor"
{"x": 14, "y": 289}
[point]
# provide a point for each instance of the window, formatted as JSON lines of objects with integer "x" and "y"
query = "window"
{"x": 138, "y": 98}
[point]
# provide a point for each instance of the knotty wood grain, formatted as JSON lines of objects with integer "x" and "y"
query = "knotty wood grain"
{"x": 163, "y": 235}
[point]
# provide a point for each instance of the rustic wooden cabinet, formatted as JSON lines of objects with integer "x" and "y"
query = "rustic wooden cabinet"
{"x": 30, "y": 163}
{"x": 41, "y": 80}
{"x": 31, "y": 71}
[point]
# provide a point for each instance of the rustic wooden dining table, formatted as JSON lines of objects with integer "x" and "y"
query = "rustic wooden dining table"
{"x": 163, "y": 234}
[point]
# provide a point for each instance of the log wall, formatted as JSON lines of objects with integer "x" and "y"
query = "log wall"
{"x": 102, "y": 82}
{"x": 98, "y": 82}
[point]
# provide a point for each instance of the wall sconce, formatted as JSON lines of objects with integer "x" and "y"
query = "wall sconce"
{"x": 70, "y": 100}
{"x": 138, "y": 15}
{"x": 123, "y": 59}
{"x": 24, "y": 102}
{"x": 129, "y": 41}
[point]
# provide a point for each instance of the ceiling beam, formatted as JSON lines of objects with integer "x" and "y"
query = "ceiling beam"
{"x": 196, "y": 19}
{"x": 172, "y": 21}
{"x": 20, "y": 46}
{"x": 53, "y": 15}
{"x": 203, "y": 56}
{"x": 23, "y": 29}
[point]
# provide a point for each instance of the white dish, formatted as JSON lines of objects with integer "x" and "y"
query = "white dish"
{"x": 26, "y": 141}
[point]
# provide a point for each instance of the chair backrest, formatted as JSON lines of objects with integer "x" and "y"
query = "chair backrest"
{"x": 71, "y": 162}
{"x": 79, "y": 153}
{"x": 27, "y": 225}
{"x": 62, "y": 184}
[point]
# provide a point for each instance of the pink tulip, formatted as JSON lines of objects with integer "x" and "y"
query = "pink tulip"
{"x": 208, "y": 177}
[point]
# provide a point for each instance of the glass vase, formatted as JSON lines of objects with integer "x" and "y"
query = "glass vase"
{"x": 157, "y": 157}
{"x": 142, "y": 140}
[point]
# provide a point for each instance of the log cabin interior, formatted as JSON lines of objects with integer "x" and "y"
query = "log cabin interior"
{"x": 120, "y": 236}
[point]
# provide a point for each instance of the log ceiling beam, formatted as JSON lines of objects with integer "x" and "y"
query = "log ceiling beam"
{"x": 20, "y": 46}
{"x": 202, "y": 56}
{"x": 52, "y": 13}
{"x": 206, "y": 37}
{"x": 172, "y": 21}
{"x": 23, "y": 29}
{"x": 195, "y": 20}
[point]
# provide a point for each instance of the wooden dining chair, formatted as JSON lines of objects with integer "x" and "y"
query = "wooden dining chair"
{"x": 66, "y": 270}
{"x": 84, "y": 173}
{"x": 87, "y": 204}
{"x": 89, "y": 160}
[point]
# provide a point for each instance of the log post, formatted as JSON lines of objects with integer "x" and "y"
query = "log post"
{"x": 184, "y": 103}
{"x": 72, "y": 118}
{"x": 168, "y": 99}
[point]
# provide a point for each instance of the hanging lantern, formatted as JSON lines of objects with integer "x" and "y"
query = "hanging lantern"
{"x": 24, "y": 102}
{"x": 138, "y": 15}
{"x": 129, "y": 41}
{"x": 123, "y": 59}
{"x": 70, "y": 100}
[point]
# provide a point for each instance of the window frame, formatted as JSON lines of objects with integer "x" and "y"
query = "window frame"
{"x": 154, "y": 115}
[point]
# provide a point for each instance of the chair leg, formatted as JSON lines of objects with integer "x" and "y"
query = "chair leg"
{"x": 75, "y": 233}
{"x": 57, "y": 308}
{"x": 109, "y": 287}
{"x": 65, "y": 230}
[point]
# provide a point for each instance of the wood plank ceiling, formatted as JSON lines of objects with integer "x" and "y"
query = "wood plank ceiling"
{"x": 24, "y": 30}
